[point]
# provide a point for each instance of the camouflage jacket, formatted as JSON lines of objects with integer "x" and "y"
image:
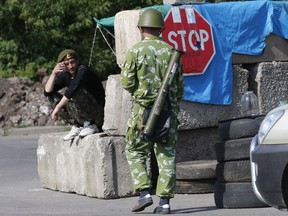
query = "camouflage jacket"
{"x": 144, "y": 69}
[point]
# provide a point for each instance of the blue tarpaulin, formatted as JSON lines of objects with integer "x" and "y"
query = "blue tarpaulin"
{"x": 238, "y": 27}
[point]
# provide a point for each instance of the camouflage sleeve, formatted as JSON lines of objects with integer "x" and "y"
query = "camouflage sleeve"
{"x": 129, "y": 73}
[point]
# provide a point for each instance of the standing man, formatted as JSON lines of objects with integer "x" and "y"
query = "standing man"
{"x": 82, "y": 104}
{"x": 142, "y": 74}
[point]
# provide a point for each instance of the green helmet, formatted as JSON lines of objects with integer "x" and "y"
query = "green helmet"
{"x": 151, "y": 18}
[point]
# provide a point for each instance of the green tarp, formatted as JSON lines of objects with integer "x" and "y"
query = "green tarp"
{"x": 108, "y": 23}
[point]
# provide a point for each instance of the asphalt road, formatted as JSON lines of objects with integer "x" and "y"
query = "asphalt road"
{"x": 21, "y": 193}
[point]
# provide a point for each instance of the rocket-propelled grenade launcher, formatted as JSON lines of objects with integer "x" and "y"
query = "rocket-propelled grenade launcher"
{"x": 162, "y": 94}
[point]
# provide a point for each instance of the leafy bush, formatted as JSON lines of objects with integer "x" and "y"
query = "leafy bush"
{"x": 33, "y": 32}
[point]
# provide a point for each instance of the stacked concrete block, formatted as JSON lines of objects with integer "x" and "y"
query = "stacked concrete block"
{"x": 198, "y": 115}
{"x": 275, "y": 50}
{"x": 196, "y": 144}
{"x": 117, "y": 107}
{"x": 270, "y": 83}
{"x": 94, "y": 166}
{"x": 126, "y": 32}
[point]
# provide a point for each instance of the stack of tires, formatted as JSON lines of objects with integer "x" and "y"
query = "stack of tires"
{"x": 233, "y": 187}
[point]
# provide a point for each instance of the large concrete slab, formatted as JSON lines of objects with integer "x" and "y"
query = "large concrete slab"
{"x": 94, "y": 166}
{"x": 270, "y": 83}
{"x": 198, "y": 115}
{"x": 117, "y": 107}
{"x": 126, "y": 32}
{"x": 196, "y": 144}
{"x": 275, "y": 50}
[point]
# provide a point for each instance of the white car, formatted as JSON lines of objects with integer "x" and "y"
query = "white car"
{"x": 269, "y": 159}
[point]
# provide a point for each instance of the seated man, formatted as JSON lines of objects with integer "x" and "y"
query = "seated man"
{"x": 82, "y": 104}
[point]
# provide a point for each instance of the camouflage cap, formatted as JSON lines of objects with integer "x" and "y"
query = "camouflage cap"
{"x": 67, "y": 54}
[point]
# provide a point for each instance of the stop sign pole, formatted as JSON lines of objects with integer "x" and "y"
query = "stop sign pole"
{"x": 187, "y": 30}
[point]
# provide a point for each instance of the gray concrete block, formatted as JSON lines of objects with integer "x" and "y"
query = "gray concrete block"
{"x": 94, "y": 166}
{"x": 275, "y": 50}
{"x": 270, "y": 84}
{"x": 196, "y": 144}
{"x": 126, "y": 32}
{"x": 117, "y": 107}
{"x": 198, "y": 115}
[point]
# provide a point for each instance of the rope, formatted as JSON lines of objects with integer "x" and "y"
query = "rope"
{"x": 94, "y": 39}
{"x": 109, "y": 32}
{"x": 106, "y": 40}
{"x": 92, "y": 48}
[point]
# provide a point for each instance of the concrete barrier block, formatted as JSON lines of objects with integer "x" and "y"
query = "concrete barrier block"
{"x": 196, "y": 144}
{"x": 117, "y": 107}
{"x": 198, "y": 115}
{"x": 275, "y": 50}
{"x": 270, "y": 82}
{"x": 94, "y": 166}
{"x": 126, "y": 32}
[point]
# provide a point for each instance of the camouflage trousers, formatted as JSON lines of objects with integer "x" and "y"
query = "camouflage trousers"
{"x": 82, "y": 107}
{"x": 137, "y": 153}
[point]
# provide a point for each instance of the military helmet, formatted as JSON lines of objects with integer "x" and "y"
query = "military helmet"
{"x": 151, "y": 18}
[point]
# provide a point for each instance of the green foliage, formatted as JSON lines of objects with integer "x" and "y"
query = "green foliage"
{"x": 33, "y": 32}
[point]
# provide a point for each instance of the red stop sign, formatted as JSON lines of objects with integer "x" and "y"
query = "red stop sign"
{"x": 187, "y": 30}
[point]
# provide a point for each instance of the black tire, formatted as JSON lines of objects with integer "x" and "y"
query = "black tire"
{"x": 259, "y": 120}
{"x": 236, "y": 195}
{"x": 237, "y": 149}
{"x": 237, "y": 128}
{"x": 193, "y": 170}
{"x": 195, "y": 186}
{"x": 234, "y": 171}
